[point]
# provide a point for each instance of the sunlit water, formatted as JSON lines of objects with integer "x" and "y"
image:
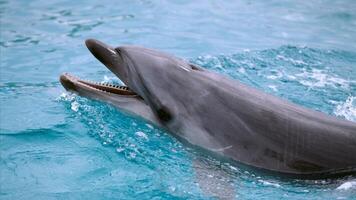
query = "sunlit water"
{"x": 57, "y": 145}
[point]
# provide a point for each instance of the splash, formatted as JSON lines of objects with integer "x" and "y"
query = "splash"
{"x": 69, "y": 97}
{"x": 321, "y": 78}
{"x": 347, "y": 109}
{"x": 347, "y": 185}
{"x": 66, "y": 96}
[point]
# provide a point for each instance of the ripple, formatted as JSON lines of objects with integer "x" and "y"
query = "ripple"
{"x": 81, "y": 27}
{"x": 21, "y": 40}
{"x": 14, "y": 88}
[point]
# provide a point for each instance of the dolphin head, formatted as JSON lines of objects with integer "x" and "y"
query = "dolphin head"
{"x": 150, "y": 77}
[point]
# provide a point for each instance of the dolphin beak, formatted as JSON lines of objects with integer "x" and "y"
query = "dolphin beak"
{"x": 103, "y": 52}
{"x": 108, "y": 56}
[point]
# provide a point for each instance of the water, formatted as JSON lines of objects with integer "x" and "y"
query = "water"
{"x": 57, "y": 145}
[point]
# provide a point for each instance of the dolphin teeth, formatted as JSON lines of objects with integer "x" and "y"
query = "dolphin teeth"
{"x": 109, "y": 88}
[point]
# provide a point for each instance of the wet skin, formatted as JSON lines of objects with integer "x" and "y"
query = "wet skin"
{"x": 221, "y": 115}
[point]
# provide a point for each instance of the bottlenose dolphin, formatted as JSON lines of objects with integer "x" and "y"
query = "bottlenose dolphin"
{"x": 221, "y": 115}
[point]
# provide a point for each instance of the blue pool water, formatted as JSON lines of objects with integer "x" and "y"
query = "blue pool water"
{"x": 55, "y": 145}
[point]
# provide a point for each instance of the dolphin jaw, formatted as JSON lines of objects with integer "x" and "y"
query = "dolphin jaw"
{"x": 73, "y": 83}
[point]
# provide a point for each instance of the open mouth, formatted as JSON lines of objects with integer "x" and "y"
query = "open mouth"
{"x": 108, "y": 56}
{"x": 73, "y": 83}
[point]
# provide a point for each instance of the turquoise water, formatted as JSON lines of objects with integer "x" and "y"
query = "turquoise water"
{"x": 54, "y": 145}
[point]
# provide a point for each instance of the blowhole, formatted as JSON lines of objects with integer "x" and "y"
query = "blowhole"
{"x": 194, "y": 67}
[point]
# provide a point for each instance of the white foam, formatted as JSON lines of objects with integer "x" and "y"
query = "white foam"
{"x": 319, "y": 78}
{"x": 74, "y": 106}
{"x": 132, "y": 155}
{"x": 293, "y": 61}
{"x": 347, "y": 109}
{"x": 233, "y": 168}
{"x": 347, "y": 185}
{"x": 149, "y": 126}
{"x": 241, "y": 70}
{"x": 141, "y": 134}
{"x": 108, "y": 79}
{"x": 65, "y": 96}
{"x": 273, "y": 77}
{"x": 273, "y": 87}
{"x": 277, "y": 75}
{"x": 291, "y": 77}
{"x": 119, "y": 150}
{"x": 172, "y": 188}
{"x": 266, "y": 183}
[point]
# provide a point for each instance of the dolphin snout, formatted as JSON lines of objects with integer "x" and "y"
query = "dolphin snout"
{"x": 109, "y": 57}
{"x": 103, "y": 52}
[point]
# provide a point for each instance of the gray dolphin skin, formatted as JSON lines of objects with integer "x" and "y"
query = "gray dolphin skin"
{"x": 221, "y": 115}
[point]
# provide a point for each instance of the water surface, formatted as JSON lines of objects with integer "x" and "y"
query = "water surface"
{"x": 57, "y": 145}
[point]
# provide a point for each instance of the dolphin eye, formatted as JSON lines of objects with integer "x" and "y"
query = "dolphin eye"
{"x": 164, "y": 114}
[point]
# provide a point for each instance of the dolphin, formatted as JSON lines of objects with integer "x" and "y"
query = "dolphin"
{"x": 220, "y": 115}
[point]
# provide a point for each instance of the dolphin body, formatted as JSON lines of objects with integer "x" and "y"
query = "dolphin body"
{"x": 221, "y": 115}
